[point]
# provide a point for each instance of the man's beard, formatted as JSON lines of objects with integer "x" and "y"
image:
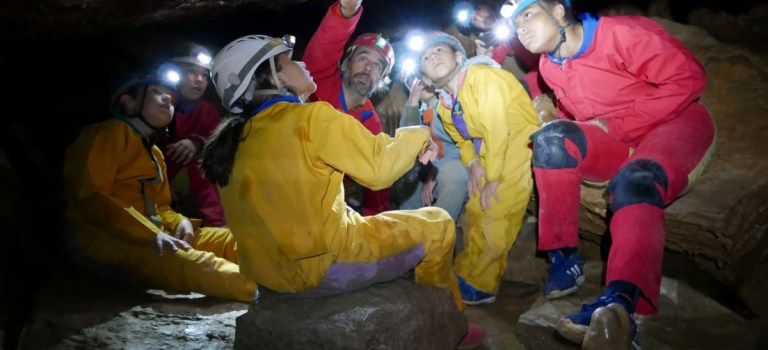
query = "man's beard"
{"x": 360, "y": 88}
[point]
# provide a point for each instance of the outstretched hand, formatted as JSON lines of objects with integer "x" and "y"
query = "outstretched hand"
{"x": 426, "y": 192}
{"x": 185, "y": 231}
{"x": 163, "y": 240}
{"x": 349, "y": 7}
{"x": 476, "y": 174}
{"x": 429, "y": 153}
{"x": 182, "y": 152}
{"x": 482, "y": 50}
{"x": 488, "y": 192}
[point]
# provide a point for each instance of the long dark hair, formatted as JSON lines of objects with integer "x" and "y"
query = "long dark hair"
{"x": 218, "y": 155}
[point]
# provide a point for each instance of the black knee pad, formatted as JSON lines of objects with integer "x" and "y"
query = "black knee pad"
{"x": 549, "y": 145}
{"x": 636, "y": 184}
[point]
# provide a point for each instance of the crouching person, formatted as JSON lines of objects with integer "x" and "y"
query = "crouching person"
{"x": 119, "y": 202}
{"x": 280, "y": 164}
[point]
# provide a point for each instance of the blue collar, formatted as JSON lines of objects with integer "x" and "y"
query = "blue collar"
{"x": 268, "y": 103}
{"x": 364, "y": 114}
{"x": 185, "y": 106}
{"x": 589, "y": 22}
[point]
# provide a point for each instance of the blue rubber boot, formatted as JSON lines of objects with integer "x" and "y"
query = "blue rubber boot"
{"x": 574, "y": 327}
{"x": 565, "y": 274}
{"x": 472, "y": 296}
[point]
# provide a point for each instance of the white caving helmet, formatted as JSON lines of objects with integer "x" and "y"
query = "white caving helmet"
{"x": 233, "y": 67}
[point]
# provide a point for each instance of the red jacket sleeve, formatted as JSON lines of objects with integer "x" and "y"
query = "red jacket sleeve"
{"x": 326, "y": 47}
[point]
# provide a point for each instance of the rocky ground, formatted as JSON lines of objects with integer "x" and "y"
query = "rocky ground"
{"x": 75, "y": 311}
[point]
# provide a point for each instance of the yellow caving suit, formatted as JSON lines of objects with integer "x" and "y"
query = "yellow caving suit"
{"x": 103, "y": 173}
{"x": 497, "y": 109}
{"x": 285, "y": 205}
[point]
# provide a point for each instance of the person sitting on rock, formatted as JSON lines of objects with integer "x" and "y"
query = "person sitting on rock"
{"x": 119, "y": 202}
{"x": 280, "y": 164}
{"x": 628, "y": 101}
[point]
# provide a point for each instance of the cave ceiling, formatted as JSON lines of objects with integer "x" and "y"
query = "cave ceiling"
{"x": 21, "y": 19}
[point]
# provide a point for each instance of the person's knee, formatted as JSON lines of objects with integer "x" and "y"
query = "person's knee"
{"x": 640, "y": 181}
{"x": 549, "y": 145}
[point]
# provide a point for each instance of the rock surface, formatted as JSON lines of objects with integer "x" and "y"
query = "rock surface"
{"x": 686, "y": 320}
{"x": 395, "y": 315}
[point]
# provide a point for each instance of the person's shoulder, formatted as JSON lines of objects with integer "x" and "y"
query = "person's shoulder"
{"x": 109, "y": 126}
{"x": 484, "y": 71}
{"x": 107, "y": 131}
{"x": 315, "y": 106}
{"x": 629, "y": 24}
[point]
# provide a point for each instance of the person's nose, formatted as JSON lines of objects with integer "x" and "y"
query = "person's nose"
{"x": 520, "y": 30}
{"x": 166, "y": 98}
{"x": 302, "y": 64}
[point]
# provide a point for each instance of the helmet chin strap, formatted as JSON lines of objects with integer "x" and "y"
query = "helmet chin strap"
{"x": 139, "y": 115}
{"x": 561, "y": 27}
{"x": 280, "y": 89}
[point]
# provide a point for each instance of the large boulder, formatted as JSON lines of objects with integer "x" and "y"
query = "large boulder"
{"x": 395, "y": 315}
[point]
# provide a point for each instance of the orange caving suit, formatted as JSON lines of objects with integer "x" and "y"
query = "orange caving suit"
{"x": 497, "y": 110}
{"x": 285, "y": 204}
{"x": 104, "y": 172}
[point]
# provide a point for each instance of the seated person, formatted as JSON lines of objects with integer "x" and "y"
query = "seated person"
{"x": 280, "y": 164}
{"x": 119, "y": 202}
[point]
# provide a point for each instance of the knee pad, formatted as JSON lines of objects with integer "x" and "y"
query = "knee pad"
{"x": 549, "y": 145}
{"x": 636, "y": 183}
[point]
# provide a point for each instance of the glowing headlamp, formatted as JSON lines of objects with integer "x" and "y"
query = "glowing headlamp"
{"x": 289, "y": 40}
{"x": 463, "y": 13}
{"x": 169, "y": 74}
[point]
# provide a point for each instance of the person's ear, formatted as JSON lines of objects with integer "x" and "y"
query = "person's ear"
{"x": 459, "y": 57}
{"x": 129, "y": 103}
{"x": 345, "y": 63}
{"x": 558, "y": 11}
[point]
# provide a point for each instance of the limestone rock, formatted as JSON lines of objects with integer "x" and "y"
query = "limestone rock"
{"x": 79, "y": 312}
{"x": 395, "y": 315}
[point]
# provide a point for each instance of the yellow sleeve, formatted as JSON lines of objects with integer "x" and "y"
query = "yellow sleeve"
{"x": 91, "y": 171}
{"x": 168, "y": 216}
{"x": 373, "y": 161}
{"x": 466, "y": 147}
{"x": 501, "y": 114}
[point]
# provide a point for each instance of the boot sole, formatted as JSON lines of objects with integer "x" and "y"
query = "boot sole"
{"x": 561, "y": 293}
{"x": 573, "y": 332}
{"x": 609, "y": 328}
{"x": 481, "y": 301}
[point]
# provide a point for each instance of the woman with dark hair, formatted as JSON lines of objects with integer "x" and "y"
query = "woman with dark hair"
{"x": 280, "y": 165}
